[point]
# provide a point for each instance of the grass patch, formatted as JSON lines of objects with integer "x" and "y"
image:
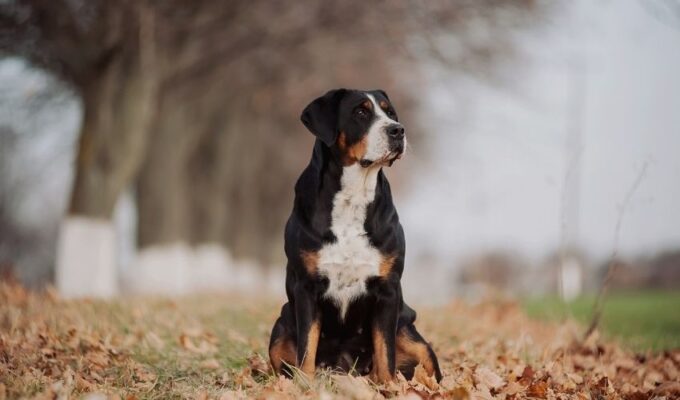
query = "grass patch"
{"x": 642, "y": 320}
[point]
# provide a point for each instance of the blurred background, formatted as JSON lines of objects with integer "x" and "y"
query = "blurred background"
{"x": 152, "y": 146}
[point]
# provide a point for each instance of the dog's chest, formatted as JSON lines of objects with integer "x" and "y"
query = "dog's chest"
{"x": 350, "y": 260}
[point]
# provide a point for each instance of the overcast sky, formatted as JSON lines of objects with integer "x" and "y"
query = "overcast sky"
{"x": 495, "y": 179}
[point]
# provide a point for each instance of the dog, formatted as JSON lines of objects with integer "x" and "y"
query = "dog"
{"x": 345, "y": 249}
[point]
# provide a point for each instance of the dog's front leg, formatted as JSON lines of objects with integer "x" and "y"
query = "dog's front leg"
{"x": 308, "y": 325}
{"x": 384, "y": 333}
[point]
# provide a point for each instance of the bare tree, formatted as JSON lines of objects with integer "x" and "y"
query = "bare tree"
{"x": 197, "y": 102}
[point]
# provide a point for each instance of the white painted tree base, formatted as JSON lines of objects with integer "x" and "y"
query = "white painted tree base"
{"x": 179, "y": 269}
{"x": 86, "y": 258}
{"x": 570, "y": 279}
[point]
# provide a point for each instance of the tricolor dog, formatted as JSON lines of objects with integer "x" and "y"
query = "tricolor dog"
{"x": 345, "y": 249}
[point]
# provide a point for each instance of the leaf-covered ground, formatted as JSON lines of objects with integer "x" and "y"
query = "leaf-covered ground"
{"x": 215, "y": 347}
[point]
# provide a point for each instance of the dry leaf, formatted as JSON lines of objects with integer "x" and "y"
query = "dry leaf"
{"x": 233, "y": 395}
{"x": 538, "y": 389}
{"x": 513, "y": 388}
{"x": 527, "y": 375}
{"x": 258, "y": 365}
{"x": 69, "y": 350}
{"x": 668, "y": 389}
{"x": 449, "y": 382}
{"x": 459, "y": 393}
{"x": 485, "y": 377}
{"x": 203, "y": 348}
{"x": 412, "y": 395}
{"x": 245, "y": 378}
{"x": 353, "y": 387}
{"x": 155, "y": 341}
{"x": 210, "y": 364}
{"x": 481, "y": 394}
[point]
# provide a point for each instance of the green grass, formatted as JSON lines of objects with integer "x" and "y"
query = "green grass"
{"x": 642, "y": 320}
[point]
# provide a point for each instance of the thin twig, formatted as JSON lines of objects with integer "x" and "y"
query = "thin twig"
{"x": 611, "y": 268}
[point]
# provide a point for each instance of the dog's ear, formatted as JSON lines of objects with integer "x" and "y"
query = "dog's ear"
{"x": 321, "y": 116}
{"x": 384, "y": 94}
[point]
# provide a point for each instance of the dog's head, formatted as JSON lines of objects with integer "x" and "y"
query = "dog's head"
{"x": 359, "y": 126}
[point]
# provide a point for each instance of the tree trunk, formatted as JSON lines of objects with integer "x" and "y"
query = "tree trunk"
{"x": 119, "y": 102}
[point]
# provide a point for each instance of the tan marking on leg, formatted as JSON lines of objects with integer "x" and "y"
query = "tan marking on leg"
{"x": 386, "y": 265}
{"x": 308, "y": 364}
{"x": 381, "y": 371}
{"x": 409, "y": 351}
{"x": 310, "y": 259}
{"x": 283, "y": 350}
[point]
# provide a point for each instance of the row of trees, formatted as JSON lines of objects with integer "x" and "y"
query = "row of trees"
{"x": 193, "y": 105}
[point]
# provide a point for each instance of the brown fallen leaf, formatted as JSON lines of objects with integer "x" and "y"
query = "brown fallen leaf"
{"x": 236, "y": 337}
{"x": 185, "y": 342}
{"x": 668, "y": 389}
{"x": 412, "y": 394}
{"x": 637, "y": 395}
{"x": 449, "y": 382}
{"x": 233, "y": 395}
{"x": 285, "y": 385}
{"x": 271, "y": 394}
{"x": 154, "y": 341}
{"x": 354, "y": 387}
{"x": 245, "y": 378}
{"x": 527, "y": 376}
{"x": 513, "y": 388}
{"x": 459, "y": 393}
{"x": 578, "y": 379}
{"x": 486, "y": 378}
{"x": 538, "y": 389}
{"x": 481, "y": 394}
{"x": 258, "y": 365}
{"x": 203, "y": 347}
{"x": 210, "y": 364}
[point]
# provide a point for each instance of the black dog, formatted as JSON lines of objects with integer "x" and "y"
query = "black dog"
{"x": 345, "y": 249}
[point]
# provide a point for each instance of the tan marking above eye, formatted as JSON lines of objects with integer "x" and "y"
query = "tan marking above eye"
{"x": 367, "y": 104}
{"x": 384, "y": 105}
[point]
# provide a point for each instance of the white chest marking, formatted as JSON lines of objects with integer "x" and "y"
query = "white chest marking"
{"x": 351, "y": 260}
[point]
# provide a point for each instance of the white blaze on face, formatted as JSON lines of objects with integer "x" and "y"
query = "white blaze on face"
{"x": 377, "y": 140}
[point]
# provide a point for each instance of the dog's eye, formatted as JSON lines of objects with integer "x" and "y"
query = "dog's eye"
{"x": 361, "y": 112}
{"x": 391, "y": 114}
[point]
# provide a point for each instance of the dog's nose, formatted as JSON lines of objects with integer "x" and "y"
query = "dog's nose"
{"x": 396, "y": 131}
